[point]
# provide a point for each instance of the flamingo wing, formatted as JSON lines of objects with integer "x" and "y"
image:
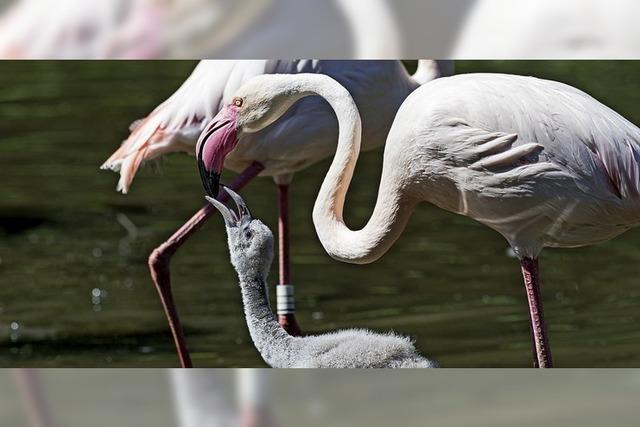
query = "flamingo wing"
{"x": 591, "y": 140}
{"x": 616, "y": 149}
{"x": 581, "y": 136}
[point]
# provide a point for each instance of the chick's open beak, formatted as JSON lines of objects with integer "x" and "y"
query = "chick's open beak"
{"x": 231, "y": 217}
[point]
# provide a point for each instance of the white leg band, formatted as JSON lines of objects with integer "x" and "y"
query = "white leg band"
{"x": 285, "y": 300}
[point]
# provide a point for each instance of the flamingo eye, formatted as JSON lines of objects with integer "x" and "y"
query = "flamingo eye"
{"x": 237, "y": 102}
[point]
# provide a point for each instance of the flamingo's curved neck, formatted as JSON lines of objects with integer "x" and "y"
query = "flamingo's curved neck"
{"x": 392, "y": 208}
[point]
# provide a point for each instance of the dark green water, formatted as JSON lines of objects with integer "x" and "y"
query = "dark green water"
{"x": 449, "y": 282}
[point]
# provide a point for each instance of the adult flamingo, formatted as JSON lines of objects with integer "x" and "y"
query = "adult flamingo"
{"x": 305, "y": 135}
{"x": 80, "y": 29}
{"x": 197, "y": 28}
{"x": 542, "y": 163}
{"x": 549, "y": 29}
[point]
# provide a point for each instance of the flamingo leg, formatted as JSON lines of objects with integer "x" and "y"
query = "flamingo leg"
{"x": 531, "y": 275}
{"x": 160, "y": 259}
{"x": 285, "y": 301}
{"x": 533, "y": 349}
{"x": 33, "y": 398}
{"x": 283, "y": 235}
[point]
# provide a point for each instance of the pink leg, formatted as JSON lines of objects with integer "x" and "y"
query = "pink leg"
{"x": 160, "y": 259}
{"x": 283, "y": 234}
{"x": 286, "y": 316}
{"x": 531, "y": 275}
{"x": 533, "y": 348}
{"x": 33, "y": 398}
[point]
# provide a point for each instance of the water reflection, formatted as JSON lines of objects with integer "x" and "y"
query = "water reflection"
{"x": 319, "y": 398}
{"x": 320, "y": 29}
{"x": 196, "y": 28}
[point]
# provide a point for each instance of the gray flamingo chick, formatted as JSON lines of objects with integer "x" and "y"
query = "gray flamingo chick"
{"x": 251, "y": 249}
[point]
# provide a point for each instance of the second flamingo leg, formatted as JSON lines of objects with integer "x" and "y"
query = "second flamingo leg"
{"x": 533, "y": 348}
{"x": 531, "y": 275}
{"x": 160, "y": 259}
{"x": 285, "y": 297}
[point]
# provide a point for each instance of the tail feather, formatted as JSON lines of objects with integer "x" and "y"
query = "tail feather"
{"x": 141, "y": 132}
{"x": 148, "y": 140}
{"x": 130, "y": 166}
{"x": 133, "y": 151}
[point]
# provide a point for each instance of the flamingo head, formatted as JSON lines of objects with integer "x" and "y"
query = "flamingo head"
{"x": 250, "y": 241}
{"x": 258, "y": 103}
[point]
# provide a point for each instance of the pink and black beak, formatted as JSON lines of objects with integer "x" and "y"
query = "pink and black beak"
{"x": 217, "y": 140}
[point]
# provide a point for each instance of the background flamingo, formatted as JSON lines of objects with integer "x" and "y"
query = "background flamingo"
{"x": 197, "y": 28}
{"x": 541, "y": 162}
{"x": 548, "y": 29}
{"x": 79, "y": 29}
{"x": 304, "y": 136}
{"x": 123, "y": 28}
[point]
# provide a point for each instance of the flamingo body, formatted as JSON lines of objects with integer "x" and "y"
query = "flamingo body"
{"x": 539, "y": 161}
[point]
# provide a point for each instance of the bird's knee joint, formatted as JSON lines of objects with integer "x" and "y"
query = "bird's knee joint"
{"x": 158, "y": 258}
